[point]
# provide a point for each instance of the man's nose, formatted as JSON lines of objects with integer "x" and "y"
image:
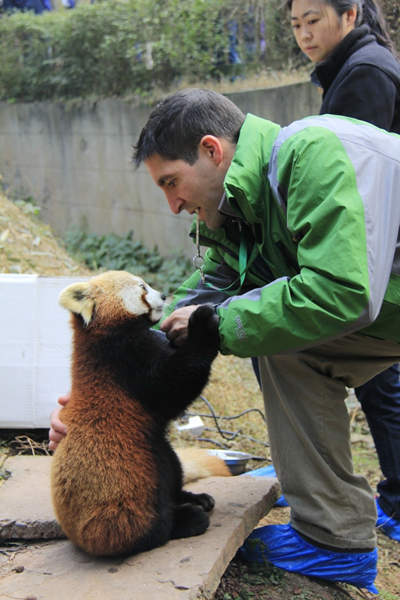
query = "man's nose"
{"x": 175, "y": 204}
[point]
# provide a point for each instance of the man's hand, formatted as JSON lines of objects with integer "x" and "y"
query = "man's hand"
{"x": 57, "y": 428}
{"x": 176, "y": 325}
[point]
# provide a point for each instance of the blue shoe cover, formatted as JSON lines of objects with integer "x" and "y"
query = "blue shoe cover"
{"x": 388, "y": 525}
{"x": 282, "y": 546}
{"x": 268, "y": 472}
{"x": 281, "y": 502}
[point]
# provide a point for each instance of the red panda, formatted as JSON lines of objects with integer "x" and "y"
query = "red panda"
{"x": 116, "y": 480}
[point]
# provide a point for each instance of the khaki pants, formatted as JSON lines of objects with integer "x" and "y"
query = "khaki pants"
{"x": 309, "y": 432}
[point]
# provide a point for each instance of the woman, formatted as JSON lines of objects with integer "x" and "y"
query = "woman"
{"x": 353, "y": 55}
{"x": 360, "y": 77}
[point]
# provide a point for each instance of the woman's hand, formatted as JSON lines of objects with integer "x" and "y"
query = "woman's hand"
{"x": 57, "y": 428}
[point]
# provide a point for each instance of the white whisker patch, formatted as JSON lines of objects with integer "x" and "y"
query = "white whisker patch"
{"x": 140, "y": 299}
{"x": 156, "y": 302}
{"x": 132, "y": 298}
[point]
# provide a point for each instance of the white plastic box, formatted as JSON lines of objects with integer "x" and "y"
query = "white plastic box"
{"x": 35, "y": 349}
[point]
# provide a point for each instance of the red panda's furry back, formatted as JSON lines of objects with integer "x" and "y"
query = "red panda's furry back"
{"x": 116, "y": 481}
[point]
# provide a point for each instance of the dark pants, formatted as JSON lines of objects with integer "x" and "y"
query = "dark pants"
{"x": 380, "y": 401}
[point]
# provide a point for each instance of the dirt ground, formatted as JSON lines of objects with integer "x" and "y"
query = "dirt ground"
{"x": 28, "y": 246}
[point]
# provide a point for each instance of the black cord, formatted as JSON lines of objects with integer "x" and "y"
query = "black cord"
{"x": 227, "y": 435}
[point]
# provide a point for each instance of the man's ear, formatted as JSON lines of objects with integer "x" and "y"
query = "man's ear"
{"x": 213, "y": 147}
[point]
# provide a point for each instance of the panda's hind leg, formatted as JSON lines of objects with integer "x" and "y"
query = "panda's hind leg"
{"x": 206, "y": 501}
{"x": 189, "y": 519}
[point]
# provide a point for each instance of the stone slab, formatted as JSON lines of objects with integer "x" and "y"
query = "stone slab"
{"x": 26, "y": 511}
{"x": 185, "y": 569}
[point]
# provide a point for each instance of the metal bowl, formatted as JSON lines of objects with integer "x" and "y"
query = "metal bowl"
{"x": 235, "y": 461}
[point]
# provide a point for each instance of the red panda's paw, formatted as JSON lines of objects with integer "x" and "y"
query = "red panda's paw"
{"x": 206, "y": 501}
{"x": 189, "y": 520}
{"x": 203, "y": 327}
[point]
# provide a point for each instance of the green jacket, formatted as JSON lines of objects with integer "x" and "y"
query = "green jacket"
{"x": 317, "y": 204}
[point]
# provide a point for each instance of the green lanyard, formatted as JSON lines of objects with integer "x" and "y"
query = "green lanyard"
{"x": 244, "y": 262}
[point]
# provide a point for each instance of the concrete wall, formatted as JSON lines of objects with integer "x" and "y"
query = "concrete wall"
{"x": 75, "y": 162}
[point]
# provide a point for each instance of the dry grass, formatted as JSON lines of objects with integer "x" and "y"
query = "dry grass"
{"x": 269, "y": 78}
{"x": 263, "y": 80}
{"x": 28, "y": 246}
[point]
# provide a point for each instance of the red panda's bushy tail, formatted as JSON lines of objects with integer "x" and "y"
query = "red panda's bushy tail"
{"x": 197, "y": 463}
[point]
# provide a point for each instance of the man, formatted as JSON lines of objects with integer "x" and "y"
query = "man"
{"x": 303, "y": 268}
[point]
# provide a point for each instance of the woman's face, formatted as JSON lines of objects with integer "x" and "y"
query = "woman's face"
{"x": 317, "y": 27}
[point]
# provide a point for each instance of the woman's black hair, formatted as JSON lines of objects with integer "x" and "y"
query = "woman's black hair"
{"x": 368, "y": 13}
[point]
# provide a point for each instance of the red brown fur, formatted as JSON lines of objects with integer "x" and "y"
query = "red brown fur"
{"x": 116, "y": 481}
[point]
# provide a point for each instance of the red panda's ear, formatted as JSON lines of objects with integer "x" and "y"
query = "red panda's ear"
{"x": 76, "y": 298}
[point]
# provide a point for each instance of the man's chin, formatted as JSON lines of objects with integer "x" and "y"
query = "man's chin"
{"x": 216, "y": 221}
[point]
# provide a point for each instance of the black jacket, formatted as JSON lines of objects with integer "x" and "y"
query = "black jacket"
{"x": 361, "y": 79}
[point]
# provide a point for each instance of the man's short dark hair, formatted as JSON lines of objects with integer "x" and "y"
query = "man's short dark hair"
{"x": 178, "y": 123}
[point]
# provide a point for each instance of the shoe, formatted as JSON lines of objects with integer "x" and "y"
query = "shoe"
{"x": 282, "y": 546}
{"x": 281, "y": 502}
{"x": 268, "y": 472}
{"x": 386, "y": 524}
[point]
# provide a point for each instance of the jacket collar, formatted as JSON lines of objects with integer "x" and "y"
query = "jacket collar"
{"x": 246, "y": 179}
{"x": 326, "y": 71}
